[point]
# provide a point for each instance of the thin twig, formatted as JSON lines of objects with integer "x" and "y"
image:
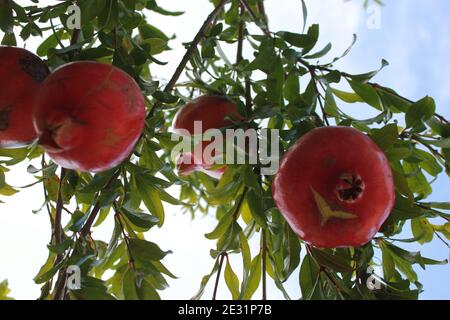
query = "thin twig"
{"x": 325, "y": 116}
{"x": 263, "y": 27}
{"x": 126, "y": 238}
{"x": 193, "y": 46}
{"x": 58, "y": 213}
{"x": 96, "y": 209}
{"x": 216, "y": 285}
{"x": 264, "y": 263}
{"x": 240, "y": 44}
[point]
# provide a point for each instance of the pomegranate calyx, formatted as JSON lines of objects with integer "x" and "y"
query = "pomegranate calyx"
{"x": 327, "y": 213}
{"x": 47, "y": 140}
{"x": 350, "y": 188}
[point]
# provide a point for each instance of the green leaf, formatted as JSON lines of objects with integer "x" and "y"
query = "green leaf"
{"x": 335, "y": 262}
{"x": 309, "y": 277}
{"x": 146, "y": 251}
{"x": 140, "y": 219}
{"x": 9, "y": 39}
{"x": 205, "y": 281}
{"x": 305, "y": 41}
{"x": 252, "y": 283}
{"x": 385, "y": 137}
{"x": 165, "y": 97}
{"x": 292, "y": 87}
{"x": 420, "y": 112}
{"x": 348, "y": 97}
{"x": 150, "y": 196}
{"x": 62, "y": 247}
{"x": 4, "y": 291}
{"x": 147, "y": 292}
{"x": 231, "y": 280}
{"x": 367, "y": 93}
{"x": 6, "y": 16}
{"x": 292, "y": 256}
{"x": 388, "y": 265}
{"x": 50, "y": 43}
{"x": 256, "y": 208}
{"x": 109, "y": 17}
{"x": 222, "y": 226}
{"x": 91, "y": 9}
{"x": 305, "y": 14}
{"x": 320, "y": 53}
{"x": 422, "y": 230}
{"x": 129, "y": 285}
{"x": 7, "y": 190}
{"x": 331, "y": 107}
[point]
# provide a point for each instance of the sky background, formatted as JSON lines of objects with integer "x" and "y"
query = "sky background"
{"x": 413, "y": 37}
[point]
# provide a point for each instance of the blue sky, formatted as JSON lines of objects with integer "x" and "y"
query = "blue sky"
{"x": 413, "y": 37}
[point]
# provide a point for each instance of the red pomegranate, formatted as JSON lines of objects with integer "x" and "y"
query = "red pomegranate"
{"x": 21, "y": 73}
{"x": 89, "y": 115}
{"x": 214, "y": 112}
{"x": 334, "y": 187}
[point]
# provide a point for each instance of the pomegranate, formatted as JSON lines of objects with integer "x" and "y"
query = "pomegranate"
{"x": 214, "y": 112}
{"x": 334, "y": 187}
{"x": 21, "y": 73}
{"x": 89, "y": 115}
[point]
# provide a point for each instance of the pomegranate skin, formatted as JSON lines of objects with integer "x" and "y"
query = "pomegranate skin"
{"x": 214, "y": 112}
{"x": 323, "y": 162}
{"x": 21, "y": 73}
{"x": 88, "y": 116}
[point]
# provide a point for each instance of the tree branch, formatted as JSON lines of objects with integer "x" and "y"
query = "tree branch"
{"x": 264, "y": 26}
{"x": 96, "y": 209}
{"x": 193, "y": 46}
{"x": 264, "y": 263}
{"x": 216, "y": 285}
{"x": 126, "y": 239}
{"x": 58, "y": 214}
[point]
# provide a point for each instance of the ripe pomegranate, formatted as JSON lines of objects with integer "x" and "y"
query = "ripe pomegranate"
{"x": 21, "y": 73}
{"x": 89, "y": 115}
{"x": 214, "y": 112}
{"x": 334, "y": 187}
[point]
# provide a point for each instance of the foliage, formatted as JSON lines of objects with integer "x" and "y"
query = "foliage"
{"x": 4, "y": 291}
{"x": 280, "y": 87}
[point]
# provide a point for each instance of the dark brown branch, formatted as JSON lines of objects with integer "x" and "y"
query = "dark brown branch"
{"x": 264, "y": 263}
{"x": 193, "y": 46}
{"x": 58, "y": 213}
{"x": 126, "y": 239}
{"x": 263, "y": 26}
{"x": 216, "y": 285}
{"x": 96, "y": 209}
{"x": 240, "y": 45}
{"x": 325, "y": 116}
